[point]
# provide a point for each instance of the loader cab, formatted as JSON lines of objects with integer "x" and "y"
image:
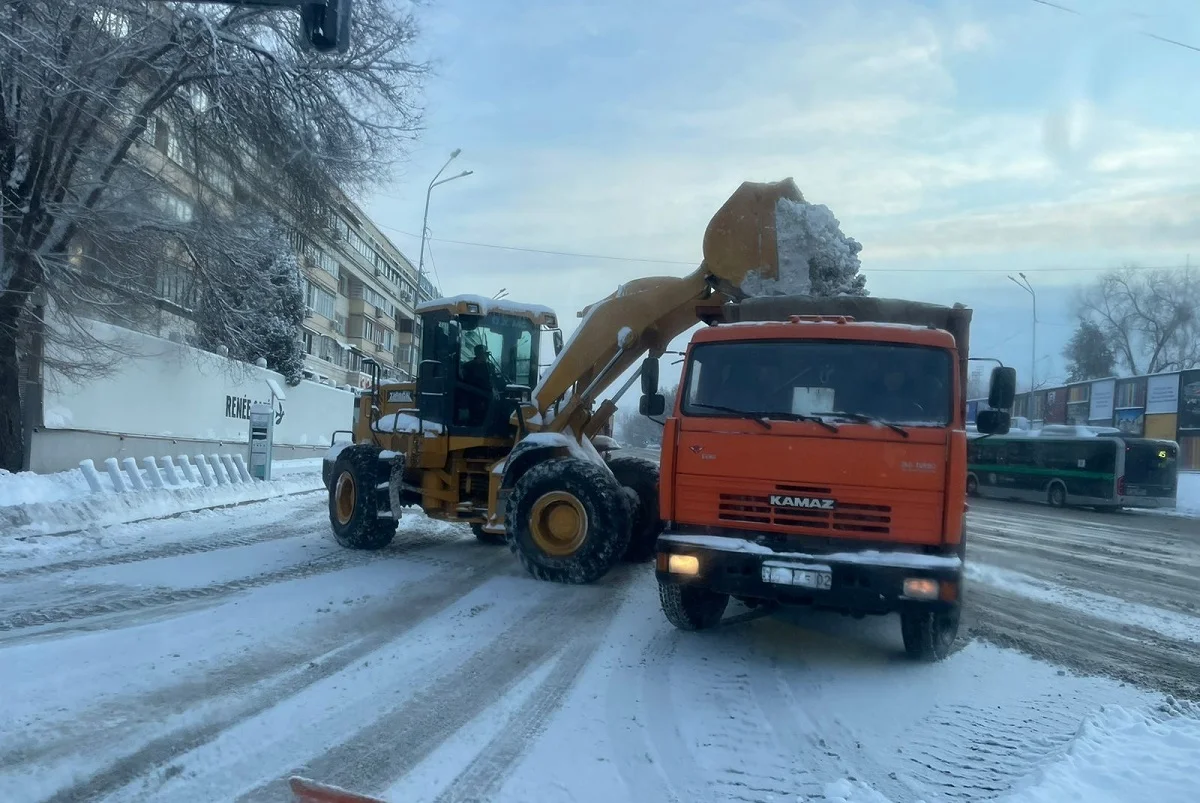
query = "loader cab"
{"x": 479, "y": 357}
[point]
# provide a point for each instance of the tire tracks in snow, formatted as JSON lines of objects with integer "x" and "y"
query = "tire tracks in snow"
{"x": 414, "y": 604}
{"x": 1086, "y": 643}
{"x": 401, "y": 739}
{"x": 161, "y": 597}
{"x": 176, "y": 549}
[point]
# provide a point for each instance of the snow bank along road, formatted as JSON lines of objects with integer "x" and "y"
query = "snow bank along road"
{"x": 207, "y": 658}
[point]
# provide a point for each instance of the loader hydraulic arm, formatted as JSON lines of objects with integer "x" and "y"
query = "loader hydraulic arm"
{"x": 645, "y": 315}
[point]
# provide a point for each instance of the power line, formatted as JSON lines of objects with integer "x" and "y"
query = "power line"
{"x": 1147, "y": 34}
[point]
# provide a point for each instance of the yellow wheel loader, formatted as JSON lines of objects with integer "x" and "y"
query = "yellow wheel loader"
{"x": 480, "y": 438}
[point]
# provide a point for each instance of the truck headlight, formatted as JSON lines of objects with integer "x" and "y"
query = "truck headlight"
{"x": 688, "y": 565}
{"x": 920, "y": 588}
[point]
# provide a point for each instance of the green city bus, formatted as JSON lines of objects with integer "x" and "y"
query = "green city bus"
{"x": 1101, "y": 470}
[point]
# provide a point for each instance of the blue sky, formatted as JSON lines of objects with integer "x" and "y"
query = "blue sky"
{"x": 956, "y": 140}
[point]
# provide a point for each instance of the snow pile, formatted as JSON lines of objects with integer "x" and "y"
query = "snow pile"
{"x": 1121, "y": 755}
{"x": 1118, "y": 755}
{"x": 407, "y": 423}
{"x": 1187, "y": 494}
{"x": 815, "y": 257}
{"x": 28, "y": 488}
{"x": 55, "y": 504}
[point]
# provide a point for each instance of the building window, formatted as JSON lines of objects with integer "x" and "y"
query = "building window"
{"x": 321, "y": 301}
{"x": 377, "y": 300}
{"x": 306, "y": 341}
{"x": 339, "y": 324}
{"x": 405, "y": 326}
{"x": 389, "y": 339}
{"x": 343, "y": 283}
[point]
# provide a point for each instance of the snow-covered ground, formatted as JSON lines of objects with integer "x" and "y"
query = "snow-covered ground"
{"x": 210, "y": 656}
{"x": 1187, "y": 494}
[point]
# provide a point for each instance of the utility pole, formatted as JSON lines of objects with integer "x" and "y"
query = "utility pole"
{"x": 1024, "y": 285}
{"x": 412, "y": 356}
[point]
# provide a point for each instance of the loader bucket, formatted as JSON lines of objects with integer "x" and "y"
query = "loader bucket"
{"x": 741, "y": 236}
{"x": 306, "y": 791}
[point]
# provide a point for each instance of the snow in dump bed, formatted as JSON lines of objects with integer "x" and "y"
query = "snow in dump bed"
{"x": 407, "y": 423}
{"x": 1118, "y": 755}
{"x": 815, "y": 258}
{"x": 869, "y": 557}
{"x": 489, "y": 305}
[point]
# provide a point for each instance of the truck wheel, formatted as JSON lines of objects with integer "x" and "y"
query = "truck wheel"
{"x": 485, "y": 537}
{"x": 929, "y": 635}
{"x": 354, "y": 500}
{"x": 691, "y": 607}
{"x": 567, "y": 521}
{"x": 641, "y": 477}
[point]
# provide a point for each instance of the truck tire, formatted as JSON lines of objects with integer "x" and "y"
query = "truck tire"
{"x": 691, "y": 607}
{"x": 567, "y": 521}
{"x": 484, "y": 537}
{"x": 354, "y": 500}
{"x": 641, "y": 477}
{"x": 929, "y": 635}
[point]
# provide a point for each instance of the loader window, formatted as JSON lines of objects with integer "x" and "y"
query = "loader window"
{"x": 901, "y": 384}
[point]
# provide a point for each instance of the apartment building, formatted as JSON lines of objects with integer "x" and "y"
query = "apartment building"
{"x": 361, "y": 292}
{"x": 360, "y": 289}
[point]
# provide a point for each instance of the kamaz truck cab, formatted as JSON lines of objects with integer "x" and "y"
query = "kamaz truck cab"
{"x": 820, "y": 459}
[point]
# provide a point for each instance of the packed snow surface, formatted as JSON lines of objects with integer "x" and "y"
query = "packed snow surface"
{"x": 809, "y": 239}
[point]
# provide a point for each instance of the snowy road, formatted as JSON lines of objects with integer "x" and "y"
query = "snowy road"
{"x": 207, "y": 658}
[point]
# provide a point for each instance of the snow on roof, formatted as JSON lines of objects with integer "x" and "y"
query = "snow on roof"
{"x": 488, "y": 305}
{"x": 408, "y": 424}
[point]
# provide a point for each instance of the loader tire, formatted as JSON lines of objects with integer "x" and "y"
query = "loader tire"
{"x": 354, "y": 500}
{"x": 641, "y": 477}
{"x": 567, "y": 521}
{"x": 485, "y": 537}
{"x": 691, "y": 607}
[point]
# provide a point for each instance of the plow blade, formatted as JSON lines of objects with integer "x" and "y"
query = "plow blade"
{"x": 306, "y": 791}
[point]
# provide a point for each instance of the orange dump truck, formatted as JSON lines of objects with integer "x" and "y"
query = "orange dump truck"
{"x": 817, "y": 455}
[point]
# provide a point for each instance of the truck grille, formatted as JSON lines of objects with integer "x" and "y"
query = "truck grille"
{"x": 847, "y": 517}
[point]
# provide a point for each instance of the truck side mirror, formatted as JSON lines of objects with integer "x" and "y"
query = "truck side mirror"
{"x": 650, "y": 376}
{"x": 325, "y": 25}
{"x": 993, "y": 422}
{"x": 652, "y": 404}
{"x": 1003, "y": 389}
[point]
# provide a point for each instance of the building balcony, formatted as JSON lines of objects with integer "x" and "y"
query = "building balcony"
{"x": 360, "y": 307}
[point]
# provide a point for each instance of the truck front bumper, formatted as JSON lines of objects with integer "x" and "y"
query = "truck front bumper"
{"x": 862, "y": 582}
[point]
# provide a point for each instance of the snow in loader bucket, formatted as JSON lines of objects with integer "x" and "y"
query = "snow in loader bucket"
{"x": 815, "y": 257}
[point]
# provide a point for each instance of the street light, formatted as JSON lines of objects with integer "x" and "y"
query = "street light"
{"x": 1024, "y": 285}
{"x": 425, "y": 231}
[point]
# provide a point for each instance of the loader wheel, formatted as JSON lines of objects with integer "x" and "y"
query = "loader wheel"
{"x": 567, "y": 521}
{"x": 928, "y": 635}
{"x": 640, "y": 476}
{"x": 354, "y": 500}
{"x": 485, "y": 537}
{"x": 691, "y": 607}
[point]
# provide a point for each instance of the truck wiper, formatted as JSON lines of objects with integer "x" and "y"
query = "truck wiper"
{"x": 870, "y": 419}
{"x": 753, "y": 416}
{"x": 804, "y": 417}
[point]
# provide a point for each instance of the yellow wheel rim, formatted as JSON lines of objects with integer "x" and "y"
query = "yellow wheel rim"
{"x": 558, "y": 524}
{"x": 344, "y": 496}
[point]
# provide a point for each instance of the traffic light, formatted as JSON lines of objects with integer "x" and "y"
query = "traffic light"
{"x": 325, "y": 25}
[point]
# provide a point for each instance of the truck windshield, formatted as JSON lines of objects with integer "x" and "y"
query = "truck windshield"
{"x": 847, "y": 380}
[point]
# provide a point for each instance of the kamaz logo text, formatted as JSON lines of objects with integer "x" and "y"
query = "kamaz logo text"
{"x": 803, "y": 501}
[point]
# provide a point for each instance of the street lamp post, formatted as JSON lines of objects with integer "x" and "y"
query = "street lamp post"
{"x": 1024, "y": 285}
{"x": 412, "y": 357}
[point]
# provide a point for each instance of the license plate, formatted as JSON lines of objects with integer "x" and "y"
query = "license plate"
{"x": 818, "y": 577}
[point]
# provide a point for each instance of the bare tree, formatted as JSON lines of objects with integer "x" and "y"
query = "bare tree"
{"x": 1149, "y": 318}
{"x": 107, "y": 108}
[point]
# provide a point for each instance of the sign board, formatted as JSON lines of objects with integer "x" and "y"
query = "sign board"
{"x": 1162, "y": 394}
{"x": 262, "y": 440}
{"x": 1102, "y": 400}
